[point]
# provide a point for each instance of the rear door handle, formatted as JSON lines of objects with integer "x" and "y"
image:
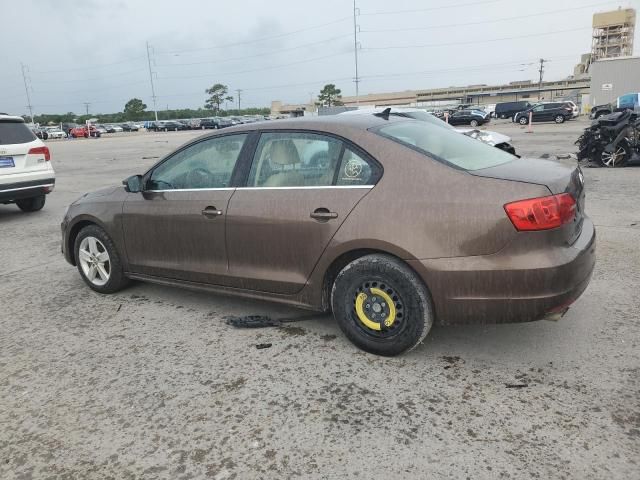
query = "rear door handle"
{"x": 211, "y": 212}
{"x": 323, "y": 214}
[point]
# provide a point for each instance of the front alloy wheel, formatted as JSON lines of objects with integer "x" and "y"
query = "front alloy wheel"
{"x": 98, "y": 260}
{"x": 617, "y": 158}
{"x": 94, "y": 261}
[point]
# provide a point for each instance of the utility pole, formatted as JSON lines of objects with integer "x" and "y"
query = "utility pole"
{"x": 541, "y": 70}
{"x": 26, "y": 89}
{"x": 86, "y": 106}
{"x": 355, "y": 50}
{"x": 153, "y": 90}
{"x": 239, "y": 91}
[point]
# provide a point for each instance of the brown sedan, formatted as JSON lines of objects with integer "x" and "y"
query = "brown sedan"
{"x": 392, "y": 223}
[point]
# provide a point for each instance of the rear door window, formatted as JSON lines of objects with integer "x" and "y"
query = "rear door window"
{"x": 15, "y": 132}
{"x": 446, "y": 146}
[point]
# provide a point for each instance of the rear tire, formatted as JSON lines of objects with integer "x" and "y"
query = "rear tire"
{"x": 32, "y": 204}
{"x": 559, "y": 119}
{"x": 381, "y": 305}
{"x": 95, "y": 243}
{"x": 473, "y": 123}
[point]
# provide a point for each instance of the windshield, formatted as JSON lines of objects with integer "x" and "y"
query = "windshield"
{"x": 446, "y": 146}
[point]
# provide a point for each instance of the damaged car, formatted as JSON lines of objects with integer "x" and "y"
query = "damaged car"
{"x": 403, "y": 225}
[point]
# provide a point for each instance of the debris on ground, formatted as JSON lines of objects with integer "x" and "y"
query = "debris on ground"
{"x": 261, "y": 346}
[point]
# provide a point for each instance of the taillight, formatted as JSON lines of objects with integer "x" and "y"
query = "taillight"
{"x": 542, "y": 213}
{"x": 41, "y": 151}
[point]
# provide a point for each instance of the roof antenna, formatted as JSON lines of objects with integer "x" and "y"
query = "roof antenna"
{"x": 384, "y": 114}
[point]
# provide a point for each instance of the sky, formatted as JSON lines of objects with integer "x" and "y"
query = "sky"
{"x": 94, "y": 51}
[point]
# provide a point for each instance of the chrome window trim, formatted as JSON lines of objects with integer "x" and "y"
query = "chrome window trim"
{"x": 261, "y": 188}
{"x": 311, "y": 187}
{"x": 228, "y": 189}
{"x": 26, "y": 188}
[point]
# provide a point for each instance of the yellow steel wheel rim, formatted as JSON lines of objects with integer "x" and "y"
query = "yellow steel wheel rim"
{"x": 364, "y": 318}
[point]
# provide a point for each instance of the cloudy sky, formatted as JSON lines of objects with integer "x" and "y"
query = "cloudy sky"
{"x": 95, "y": 51}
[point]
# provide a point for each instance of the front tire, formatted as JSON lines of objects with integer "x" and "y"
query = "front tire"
{"x": 381, "y": 305}
{"x": 32, "y": 204}
{"x": 523, "y": 120}
{"x": 98, "y": 261}
{"x": 618, "y": 158}
{"x": 473, "y": 123}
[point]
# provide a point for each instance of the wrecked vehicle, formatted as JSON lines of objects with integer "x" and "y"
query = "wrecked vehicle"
{"x": 405, "y": 225}
{"x": 611, "y": 140}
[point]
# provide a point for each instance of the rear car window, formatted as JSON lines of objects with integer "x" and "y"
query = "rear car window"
{"x": 447, "y": 146}
{"x": 15, "y": 132}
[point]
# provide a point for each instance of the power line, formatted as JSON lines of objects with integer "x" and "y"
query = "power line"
{"x": 475, "y": 41}
{"x": 89, "y": 67}
{"x": 257, "y": 40}
{"x": 120, "y": 74}
{"x": 259, "y": 69}
{"x": 430, "y": 9}
{"x": 153, "y": 90}
{"x": 259, "y": 55}
{"x": 482, "y": 22}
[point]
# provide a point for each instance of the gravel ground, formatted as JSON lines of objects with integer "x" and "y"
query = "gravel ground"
{"x": 150, "y": 383}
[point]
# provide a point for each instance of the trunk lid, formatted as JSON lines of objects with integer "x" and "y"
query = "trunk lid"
{"x": 558, "y": 178}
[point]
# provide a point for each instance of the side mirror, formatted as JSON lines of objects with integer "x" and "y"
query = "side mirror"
{"x": 133, "y": 184}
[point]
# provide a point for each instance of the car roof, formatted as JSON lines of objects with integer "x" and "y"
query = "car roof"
{"x": 10, "y": 118}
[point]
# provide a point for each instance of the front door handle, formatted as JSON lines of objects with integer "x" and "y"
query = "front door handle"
{"x": 211, "y": 212}
{"x": 323, "y": 214}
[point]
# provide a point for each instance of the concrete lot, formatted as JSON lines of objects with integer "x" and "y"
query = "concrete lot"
{"x": 150, "y": 383}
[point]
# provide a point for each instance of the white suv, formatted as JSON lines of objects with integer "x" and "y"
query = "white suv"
{"x": 26, "y": 174}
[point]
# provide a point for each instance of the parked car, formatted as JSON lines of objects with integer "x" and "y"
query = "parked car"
{"x": 168, "y": 125}
{"x": 463, "y": 232}
{"x": 509, "y": 109}
{"x": 469, "y": 117}
{"x": 66, "y": 127}
{"x": 55, "y": 132}
{"x": 628, "y": 101}
{"x": 208, "y": 123}
{"x": 600, "y": 110}
{"x": 224, "y": 122}
{"x": 85, "y": 132}
{"x": 26, "y": 174}
{"x": 558, "y": 112}
{"x": 494, "y": 139}
{"x": 101, "y": 128}
{"x": 129, "y": 127}
{"x": 40, "y": 132}
{"x": 575, "y": 110}
{"x": 113, "y": 128}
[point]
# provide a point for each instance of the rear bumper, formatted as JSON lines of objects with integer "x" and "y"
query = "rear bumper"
{"x": 509, "y": 287}
{"x": 25, "y": 189}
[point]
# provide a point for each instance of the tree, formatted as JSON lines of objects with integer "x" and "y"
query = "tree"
{"x": 134, "y": 108}
{"x": 330, "y": 96}
{"x": 217, "y": 95}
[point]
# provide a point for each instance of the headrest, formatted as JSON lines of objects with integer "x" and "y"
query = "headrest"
{"x": 284, "y": 152}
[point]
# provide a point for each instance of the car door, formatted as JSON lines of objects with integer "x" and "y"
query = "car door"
{"x": 456, "y": 118}
{"x": 301, "y": 187}
{"x": 175, "y": 228}
{"x": 538, "y": 113}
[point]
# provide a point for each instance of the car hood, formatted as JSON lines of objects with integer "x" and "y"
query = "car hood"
{"x": 555, "y": 176}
